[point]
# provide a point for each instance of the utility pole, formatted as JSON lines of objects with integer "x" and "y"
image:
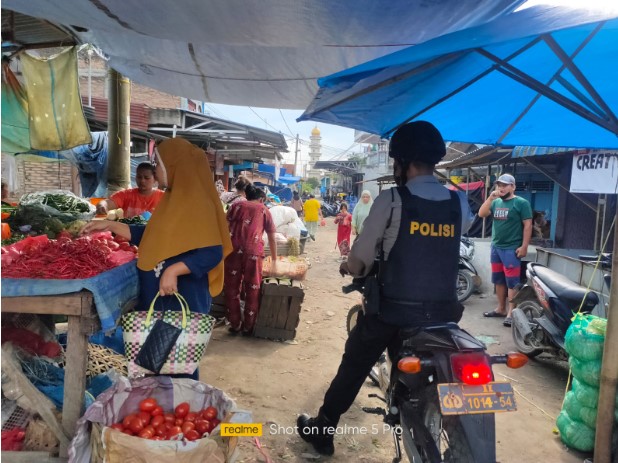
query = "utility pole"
{"x": 118, "y": 126}
{"x": 296, "y": 156}
{"x": 609, "y": 370}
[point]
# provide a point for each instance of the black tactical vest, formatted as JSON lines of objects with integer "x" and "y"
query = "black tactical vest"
{"x": 418, "y": 282}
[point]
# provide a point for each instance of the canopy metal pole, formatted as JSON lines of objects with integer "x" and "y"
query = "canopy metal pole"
{"x": 487, "y": 179}
{"x": 609, "y": 370}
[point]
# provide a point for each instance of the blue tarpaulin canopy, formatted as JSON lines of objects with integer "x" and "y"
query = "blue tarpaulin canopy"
{"x": 542, "y": 76}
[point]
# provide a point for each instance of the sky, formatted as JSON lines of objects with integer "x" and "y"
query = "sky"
{"x": 337, "y": 142}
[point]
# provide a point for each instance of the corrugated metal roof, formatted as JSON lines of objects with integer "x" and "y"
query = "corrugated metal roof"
{"x": 23, "y": 31}
{"x": 140, "y": 113}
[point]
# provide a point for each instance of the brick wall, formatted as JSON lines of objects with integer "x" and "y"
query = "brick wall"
{"x": 40, "y": 176}
{"x": 139, "y": 93}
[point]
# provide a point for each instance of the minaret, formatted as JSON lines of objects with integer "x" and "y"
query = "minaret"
{"x": 315, "y": 148}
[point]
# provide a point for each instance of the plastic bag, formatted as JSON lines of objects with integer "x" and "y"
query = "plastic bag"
{"x": 574, "y": 433}
{"x": 585, "y": 337}
{"x": 61, "y": 204}
{"x": 588, "y": 372}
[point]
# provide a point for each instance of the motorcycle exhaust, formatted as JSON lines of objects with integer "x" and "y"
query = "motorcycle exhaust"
{"x": 521, "y": 322}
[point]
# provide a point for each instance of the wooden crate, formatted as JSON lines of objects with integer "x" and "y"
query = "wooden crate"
{"x": 279, "y": 309}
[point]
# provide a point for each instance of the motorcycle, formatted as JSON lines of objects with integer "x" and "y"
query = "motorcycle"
{"x": 544, "y": 309}
{"x": 329, "y": 210}
{"x": 439, "y": 392}
{"x": 468, "y": 278}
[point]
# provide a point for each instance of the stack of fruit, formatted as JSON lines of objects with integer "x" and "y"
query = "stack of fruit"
{"x": 152, "y": 422}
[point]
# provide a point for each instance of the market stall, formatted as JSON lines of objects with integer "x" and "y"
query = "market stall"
{"x": 87, "y": 280}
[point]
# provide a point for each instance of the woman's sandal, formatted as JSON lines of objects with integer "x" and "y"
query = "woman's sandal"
{"x": 494, "y": 314}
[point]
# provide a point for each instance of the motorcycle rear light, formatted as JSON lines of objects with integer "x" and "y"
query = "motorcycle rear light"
{"x": 516, "y": 359}
{"x": 473, "y": 368}
{"x": 409, "y": 365}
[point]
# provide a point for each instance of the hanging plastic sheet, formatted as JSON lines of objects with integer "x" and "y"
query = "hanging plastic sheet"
{"x": 15, "y": 125}
{"x": 90, "y": 161}
{"x": 57, "y": 120}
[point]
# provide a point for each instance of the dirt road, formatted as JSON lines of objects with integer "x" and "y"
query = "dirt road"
{"x": 276, "y": 381}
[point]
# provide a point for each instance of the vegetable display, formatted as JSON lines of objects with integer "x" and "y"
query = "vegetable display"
{"x": 65, "y": 258}
{"x": 137, "y": 220}
{"x": 152, "y": 422}
{"x": 61, "y": 201}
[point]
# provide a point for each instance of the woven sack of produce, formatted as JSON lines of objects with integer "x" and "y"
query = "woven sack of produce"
{"x": 286, "y": 267}
{"x": 96, "y": 441}
{"x": 585, "y": 337}
{"x": 575, "y": 434}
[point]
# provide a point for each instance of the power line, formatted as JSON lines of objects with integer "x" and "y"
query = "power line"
{"x": 285, "y": 122}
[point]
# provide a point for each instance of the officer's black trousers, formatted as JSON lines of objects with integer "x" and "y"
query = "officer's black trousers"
{"x": 369, "y": 338}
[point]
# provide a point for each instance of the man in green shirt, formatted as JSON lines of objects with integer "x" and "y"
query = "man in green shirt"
{"x": 510, "y": 236}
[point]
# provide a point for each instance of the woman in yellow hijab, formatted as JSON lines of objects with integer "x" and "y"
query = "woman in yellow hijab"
{"x": 183, "y": 246}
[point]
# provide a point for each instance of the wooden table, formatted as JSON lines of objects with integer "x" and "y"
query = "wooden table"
{"x": 83, "y": 321}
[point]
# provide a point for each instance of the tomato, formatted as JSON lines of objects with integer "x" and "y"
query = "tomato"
{"x": 127, "y": 420}
{"x": 146, "y": 434}
{"x": 214, "y": 423}
{"x": 161, "y": 430}
{"x": 187, "y": 426}
{"x": 202, "y": 426}
{"x": 174, "y": 431}
{"x": 158, "y": 438}
{"x": 136, "y": 424}
{"x": 209, "y": 413}
{"x": 192, "y": 435}
{"x": 157, "y": 420}
{"x": 191, "y": 416}
{"x": 170, "y": 417}
{"x": 158, "y": 410}
{"x": 148, "y": 405}
{"x": 178, "y": 422}
{"x": 182, "y": 410}
{"x": 145, "y": 417}
{"x": 128, "y": 432}
{"x": 117, "y": 426}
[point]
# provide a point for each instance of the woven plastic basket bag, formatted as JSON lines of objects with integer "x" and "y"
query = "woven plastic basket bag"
{"x": 190, "y": 347}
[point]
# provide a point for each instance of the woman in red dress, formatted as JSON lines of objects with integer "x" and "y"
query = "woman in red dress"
{"x": 344, "y": 229}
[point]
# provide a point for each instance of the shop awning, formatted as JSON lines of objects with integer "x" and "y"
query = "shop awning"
{"x": 267, "y": 53}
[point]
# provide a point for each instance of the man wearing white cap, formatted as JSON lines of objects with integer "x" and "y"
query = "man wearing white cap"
{"x": 510, "y": 236}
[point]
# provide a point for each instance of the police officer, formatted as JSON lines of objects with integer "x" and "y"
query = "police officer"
{"x": 413, "y": 232}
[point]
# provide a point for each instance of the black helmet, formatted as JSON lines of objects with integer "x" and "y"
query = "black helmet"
{"x": 417, "y": 141}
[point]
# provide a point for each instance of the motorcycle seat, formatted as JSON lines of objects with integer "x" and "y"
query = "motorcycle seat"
{"x": 565, "y": 289}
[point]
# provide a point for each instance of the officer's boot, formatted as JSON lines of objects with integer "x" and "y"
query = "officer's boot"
{"x": 318, "y": 431}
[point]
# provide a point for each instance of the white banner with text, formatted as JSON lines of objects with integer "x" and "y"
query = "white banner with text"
{"x": 595, "y": 171}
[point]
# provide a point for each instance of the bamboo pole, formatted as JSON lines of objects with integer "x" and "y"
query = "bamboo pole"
{"x": 118, "y": 126}
{"x": 609, "y": 369}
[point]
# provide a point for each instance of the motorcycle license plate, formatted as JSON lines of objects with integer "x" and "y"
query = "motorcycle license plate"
{"x": 462, "y": 399}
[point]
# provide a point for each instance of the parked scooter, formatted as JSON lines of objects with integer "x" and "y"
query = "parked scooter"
{"x": 468, "y": 278}
{"x": 544, "y": 309}
{"x": 329, "y": 210}
{"x": 439, "y": 393}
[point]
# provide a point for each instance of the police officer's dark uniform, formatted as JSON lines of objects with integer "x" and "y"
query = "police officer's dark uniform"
{"x": 417, "y": 283}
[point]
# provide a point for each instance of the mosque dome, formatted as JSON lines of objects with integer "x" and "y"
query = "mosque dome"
{"x": 315, "y": 131}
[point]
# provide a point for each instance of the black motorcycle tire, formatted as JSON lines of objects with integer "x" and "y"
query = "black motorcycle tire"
{"x": 532, "y": 310}
{"x": 443, "y": 430}
{"x": 465, "y": 285}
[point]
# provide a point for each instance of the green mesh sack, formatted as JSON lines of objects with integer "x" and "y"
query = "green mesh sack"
{"x": 575, "y": 434}
{"x": 588, "y": 372}
{"x": 579, "y": 412}
{"x": 585, "y": 337}
{"x": 586, "y": 395}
